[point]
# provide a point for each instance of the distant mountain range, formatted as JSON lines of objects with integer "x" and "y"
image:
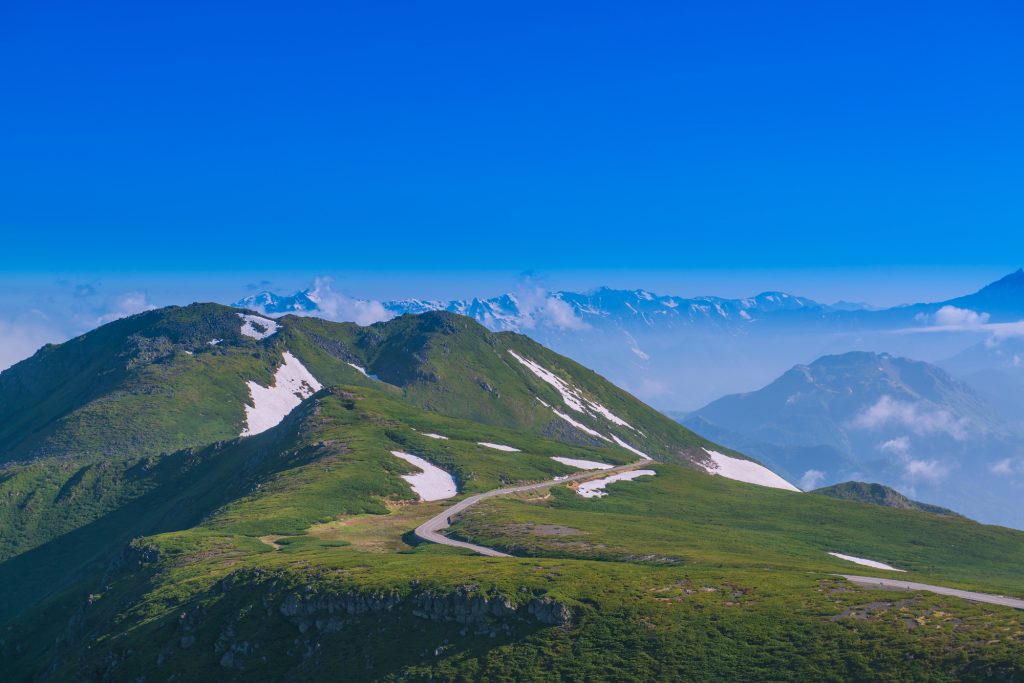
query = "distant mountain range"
{"x": 681, "y": 352}
{"x": 876, "y": 417}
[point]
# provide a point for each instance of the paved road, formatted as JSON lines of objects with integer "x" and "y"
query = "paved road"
{"x": 895, "y": 585}
{"x": 428, "y": 531}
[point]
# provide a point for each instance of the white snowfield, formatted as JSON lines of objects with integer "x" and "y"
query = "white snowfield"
{"x": 432, "y": 483}
{"x": 292, "y": 383}
{"x": 595, "y": 488}
{"x": 746, "y": 470}
{"x": 497, "y": 446}
{"x": 582, "y": 464}
{"x": 434, "y": 436}
{"x": 866, "y": 563}
{"x": 570, "y": 395}
{"x": 625, "y": 445}
{"x": 256, "y": 327}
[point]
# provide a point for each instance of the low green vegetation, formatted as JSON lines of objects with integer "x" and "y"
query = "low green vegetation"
{"x": 877, "y": 494}
{"x": 289, "y": 555}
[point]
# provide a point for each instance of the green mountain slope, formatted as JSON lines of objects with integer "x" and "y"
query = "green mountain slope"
{"x": 450, "y": 364}
{"x": 289, "y": 555}
{"x": 143, "y": 385}
{"x": 877, "y": 494}
{"x": 81, "y": 421}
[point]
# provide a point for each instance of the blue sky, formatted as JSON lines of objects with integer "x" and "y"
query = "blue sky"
{"x": 186, "y": 150}
{"x": 510, "y": 136}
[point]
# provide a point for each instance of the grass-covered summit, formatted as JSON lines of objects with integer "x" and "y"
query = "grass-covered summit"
{"x": 877, "y": 494}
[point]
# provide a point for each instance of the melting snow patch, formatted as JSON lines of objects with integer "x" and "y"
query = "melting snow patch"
{"x": 434, "y": 436}
{"x": 582, "y": 464}
{"x": 578, "y": 425}
{"x": 256, "y": 327}
{"x": 866, "y": 563}
{"x": 595, "y": 489}
{"x": 214, "y": 342}
{"x": 746, "y": 470}
{"x": 497, "y": 446}
{"x": 432, "y": 483}
{"x": 363, "y": 370}
{"x": 625, "y": 445}
{"x": 570, "y": 394}
{"x": 292, "y": 383}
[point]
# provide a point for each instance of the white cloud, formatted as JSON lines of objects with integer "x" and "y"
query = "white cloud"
{"x": 811, "y": 479}
{"x": 1004, "y": 466}
{"x": 124, "y": 306}
{"x": 929, "y": 471}
{"x": 900, "y": 445}
{"x": 540, "y": 308}
{"x": 921, "y": 418}
{"x": 335, "y": 306}
{"x": 963, "y": 317}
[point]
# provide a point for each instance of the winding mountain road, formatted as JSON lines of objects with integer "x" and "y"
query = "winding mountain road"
{"x": 429, "y": 530}
{"x": 896, "y": 585}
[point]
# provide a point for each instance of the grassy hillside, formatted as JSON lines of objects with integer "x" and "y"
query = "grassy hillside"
{"x": 289, "y": 555}
{"x": 139, "y": 386}
{"x": 452, "y": 365}
{"x": 81, "y": 422}
{"x": 312, "y": 575}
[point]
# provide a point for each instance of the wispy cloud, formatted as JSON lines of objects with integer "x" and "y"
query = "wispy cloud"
{"x": 920, "y": 418}
{"x": 811, "y": 479}
{"x": 1007, "y": 467}
{"x": 340, "y": 307}
{"x": 124, "y": 306}
{"x": 540, "y": 308}
{"x": 928, "y": 471}
{"x": 900, "y": 445}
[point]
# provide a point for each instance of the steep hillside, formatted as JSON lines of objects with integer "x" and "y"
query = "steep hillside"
{"x": 877, "y": 494}
{"x": 151, "y": 383}
{"x": 451, "y": 365}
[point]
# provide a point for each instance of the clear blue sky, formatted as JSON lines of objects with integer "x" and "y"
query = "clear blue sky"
{"x": 507, "y": 136}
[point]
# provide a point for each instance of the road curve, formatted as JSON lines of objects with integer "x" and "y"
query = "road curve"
{"x": 896, "y": 585}
{"x": 429, "y": 530}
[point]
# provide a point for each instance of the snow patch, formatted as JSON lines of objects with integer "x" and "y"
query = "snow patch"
{"x": 432, "y": 483}
{"x": 292, "y": 383}
{"x": 570, "y": 395}
{"x": 746, "y": 470}
{"x": 498, "y": 446}
{"x": 434, "y": 436}
{"x": 866, "y": 563}
{"x": 625, "y": 445}
{"x": 256, "y": 327}
{"x": 582, "y": 464}
{"x": 578, "y": 425}
{"x": 363, "y": 370}
{"x": 595, "y": 489}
